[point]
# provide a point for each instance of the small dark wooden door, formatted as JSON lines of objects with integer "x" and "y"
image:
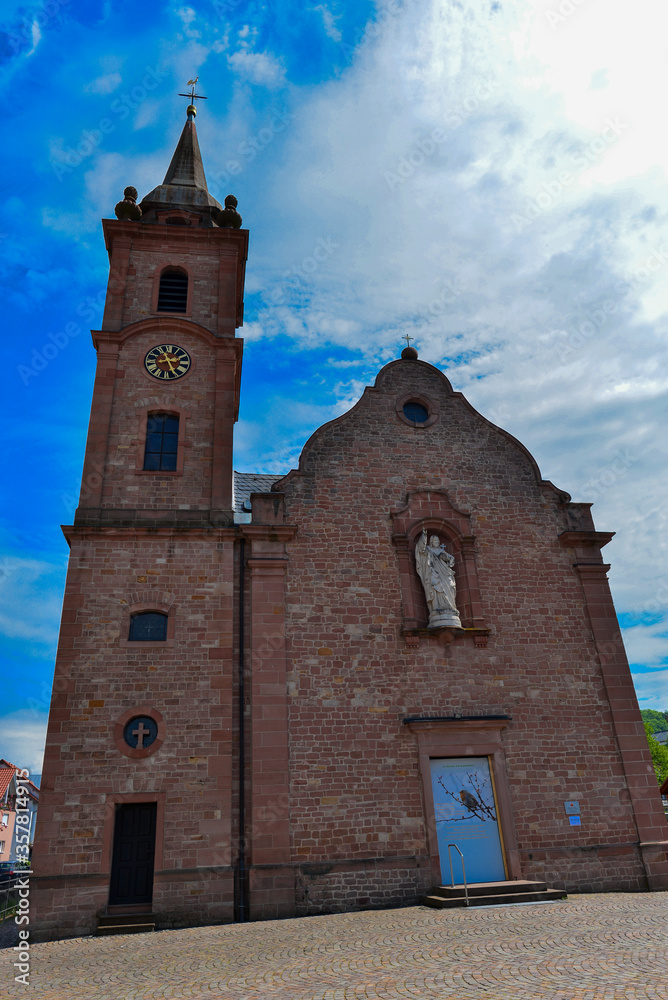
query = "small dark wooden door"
{"x": 134, "y": 848}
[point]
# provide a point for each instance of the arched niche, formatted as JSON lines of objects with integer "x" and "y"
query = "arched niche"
{"x": 433, "y": 511}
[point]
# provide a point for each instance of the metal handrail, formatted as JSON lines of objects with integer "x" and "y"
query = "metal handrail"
{"x": 452, "y": 877}
{"x": 8, "y": 899}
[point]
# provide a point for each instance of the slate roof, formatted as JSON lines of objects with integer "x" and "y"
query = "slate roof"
{"x": 246, "y": 483}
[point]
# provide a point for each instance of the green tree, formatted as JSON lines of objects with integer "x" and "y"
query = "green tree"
{"x": 659, "y": 755}
{"x": 658, "y": 721}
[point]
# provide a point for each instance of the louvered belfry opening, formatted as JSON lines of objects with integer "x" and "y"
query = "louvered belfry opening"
{"x": 173, "y": 293}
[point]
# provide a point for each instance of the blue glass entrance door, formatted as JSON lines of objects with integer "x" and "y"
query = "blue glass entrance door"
{"x": 466, "y": 815}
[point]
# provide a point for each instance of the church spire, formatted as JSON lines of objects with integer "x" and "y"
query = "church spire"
{"x": 186, "y": 168}
{"x": 184, "y": 188}
{"x": 183, "y": 197}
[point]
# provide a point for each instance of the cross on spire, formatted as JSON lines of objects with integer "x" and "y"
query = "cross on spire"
{"x": 192, "y": 111}
{"x": 408, "y": 340}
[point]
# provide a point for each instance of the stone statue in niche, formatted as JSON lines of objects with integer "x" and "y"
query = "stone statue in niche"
{"x": 436, "y": 569}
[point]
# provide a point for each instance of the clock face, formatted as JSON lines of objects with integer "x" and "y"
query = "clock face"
{"x": 167, "y": 361}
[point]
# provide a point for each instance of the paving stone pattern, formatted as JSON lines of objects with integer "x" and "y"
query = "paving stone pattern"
{"x": 594, "y": 947}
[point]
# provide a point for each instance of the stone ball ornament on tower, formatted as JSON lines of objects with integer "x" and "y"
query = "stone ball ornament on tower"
{"x": 128, "y": 208}
{"x": 228, "y": 217}
{"x": 436, "y": 569}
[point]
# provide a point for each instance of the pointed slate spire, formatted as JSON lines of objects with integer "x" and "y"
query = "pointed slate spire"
{"x": 184, "y": 187}
{"x": 186, "y": 168}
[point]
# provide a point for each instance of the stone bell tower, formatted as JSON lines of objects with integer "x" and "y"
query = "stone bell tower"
{"x": 136, "y": 811}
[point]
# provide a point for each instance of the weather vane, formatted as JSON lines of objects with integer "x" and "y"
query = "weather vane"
{"x": 192, "y": 110}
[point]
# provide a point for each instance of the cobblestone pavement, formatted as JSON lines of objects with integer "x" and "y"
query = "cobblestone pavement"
{"x": 599, "y": 947}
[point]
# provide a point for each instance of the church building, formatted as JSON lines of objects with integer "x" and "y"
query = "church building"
{"x": 285, "y": 696}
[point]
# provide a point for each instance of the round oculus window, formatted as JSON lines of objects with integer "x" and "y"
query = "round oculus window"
{"x": 140, "y": 732}
{"x": 416, "y": 412}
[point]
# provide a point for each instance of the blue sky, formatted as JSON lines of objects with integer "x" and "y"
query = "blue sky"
{"x": 487, "y": 177}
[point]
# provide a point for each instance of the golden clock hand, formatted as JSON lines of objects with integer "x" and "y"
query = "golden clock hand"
{"x": 166, "y": 358}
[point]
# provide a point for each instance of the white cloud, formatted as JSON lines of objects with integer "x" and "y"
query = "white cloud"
{"x": 106, "y": 84}
{"x": 329, "y": 22}
{"x": 436, "y": 164}
{"x": 23, "y": 738}
{"x": 647, "y": 644}
{"x": 341, "y": 363}
{"x": 36, "y": 36}
{"x": 256, "y": 445}
{"x": 187, "y": 15}
{"x": 630, "y": 71}
{"x": 253, "y": 331}
{"x": 27, "y": 585}
{"x": 652, "y": 689}
{"x": 147, "y": 114}
{"x": 258, "y": 67}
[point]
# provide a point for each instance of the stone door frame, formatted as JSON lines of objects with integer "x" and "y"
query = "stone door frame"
{"x": 466, "y": 737}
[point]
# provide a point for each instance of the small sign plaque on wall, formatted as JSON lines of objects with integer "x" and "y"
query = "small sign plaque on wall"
{"x": 572, "y": 807}
{"x": 574, "y": 820}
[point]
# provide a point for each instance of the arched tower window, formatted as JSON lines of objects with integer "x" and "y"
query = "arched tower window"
{"x": 173, "y": 292}
{"x": 148, "y": 626}
{"x": 162, "y": 438}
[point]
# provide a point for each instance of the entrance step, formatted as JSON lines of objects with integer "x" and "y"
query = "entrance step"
{"x": 135, "y": 923}
{"x": 492, "y": 894}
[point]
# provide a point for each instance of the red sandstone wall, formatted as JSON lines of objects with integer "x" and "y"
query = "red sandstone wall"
{"x": 98, "y": 678}
{"x": 213, "y": 258}
{"x": 202, "y": 265}
{"x": 135, "y": 392}
{"x": 188, "y": 571}
{"x": 336, "y": 804}
{"x": 355, "y": 785}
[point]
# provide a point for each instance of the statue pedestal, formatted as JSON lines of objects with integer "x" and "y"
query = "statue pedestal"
{"x": 444, "y": 619}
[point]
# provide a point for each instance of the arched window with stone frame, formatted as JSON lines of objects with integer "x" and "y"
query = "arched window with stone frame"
{"x": 173, "y": 291}
{"x": 148, "y": 626}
